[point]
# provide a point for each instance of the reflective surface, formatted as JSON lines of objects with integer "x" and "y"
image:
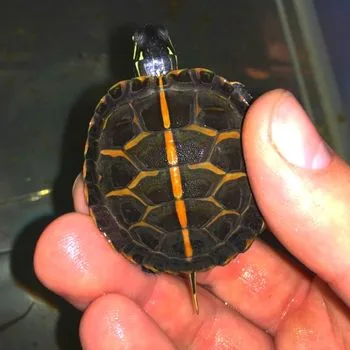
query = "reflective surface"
{"x": 54, "y": 67}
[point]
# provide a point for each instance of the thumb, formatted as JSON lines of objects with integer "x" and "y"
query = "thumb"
{"x": 301, "y": 186}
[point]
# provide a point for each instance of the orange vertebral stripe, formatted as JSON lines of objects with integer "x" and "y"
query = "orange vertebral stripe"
{"x": 187, "y": 243}
{"x": 175, "y": 175}
{"x": 181, "y": 213}
{"x": 176, "y": 184}
{"x": 163, "y": 105}
{"x": 170, "y": 148}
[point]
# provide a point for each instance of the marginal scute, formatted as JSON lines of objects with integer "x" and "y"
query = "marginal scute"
{"x": 238, "y": 240}
{"x": 119, "y": 237}
{"x": 148, "y": 235}
{"x": 251, "y": 219}
{"x": 158, "y": 262}
{"x": 101, "y": 108}
{"x": 206, "y": 76}
{"x": 222, "y": 252}
{"x": 116, "y": 91}
{"x": 94, "y": 196}
{"x": 92, "y": 151}
{"x": 94, "y": 130}
{"x": 137, "y": 253}
{"x": 102, "y": 218}
{"x": 221, "y": 226}
{"x": 138, "y": 84}
{"x": 138, "y": 257}
{"x": 91, "y": 175}
{"x": 240, "y": 97}
{"x": 226, "y": 88}
{"x": 181, "y": 76}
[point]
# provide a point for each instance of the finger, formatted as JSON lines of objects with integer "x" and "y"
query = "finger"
{"x": 261, "y": 284}
{"x": 74, "y": 260}
{"x": 322, "y": 321}
{"x": 116, "y": 322}
{"x": 78, "y": 196}
{"x": 302, "y": 187}
{"x": 167, "y": 293}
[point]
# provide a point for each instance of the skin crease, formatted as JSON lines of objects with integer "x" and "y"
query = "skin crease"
{"x": 270, "y": 302}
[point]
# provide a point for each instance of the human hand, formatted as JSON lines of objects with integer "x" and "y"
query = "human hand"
{"x": 303, "y": 191}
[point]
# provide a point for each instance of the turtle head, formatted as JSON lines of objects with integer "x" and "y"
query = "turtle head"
{"x": 154, "y": 53}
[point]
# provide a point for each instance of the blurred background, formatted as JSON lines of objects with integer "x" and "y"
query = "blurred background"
{"x": 58, "y": 58}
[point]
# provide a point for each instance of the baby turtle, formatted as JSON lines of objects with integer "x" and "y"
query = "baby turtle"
{"x": 164, "y": 174}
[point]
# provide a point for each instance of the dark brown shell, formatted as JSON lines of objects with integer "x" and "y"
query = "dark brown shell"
{"x": 127, "y": 171}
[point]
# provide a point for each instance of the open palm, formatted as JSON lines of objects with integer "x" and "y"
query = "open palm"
{"x": 262, "y": 299}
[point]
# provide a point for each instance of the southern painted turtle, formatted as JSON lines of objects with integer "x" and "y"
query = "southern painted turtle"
{"x": 164, "y": 173}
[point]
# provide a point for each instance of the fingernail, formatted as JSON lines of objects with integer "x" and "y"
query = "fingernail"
{"x": 295, "y": 136}
{"x": 76, "y": 182}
